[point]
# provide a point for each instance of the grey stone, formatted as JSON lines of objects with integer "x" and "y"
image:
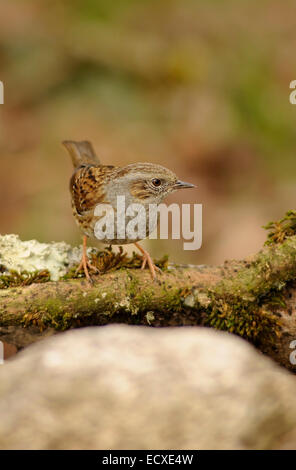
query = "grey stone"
{"x": 129, "y": 387}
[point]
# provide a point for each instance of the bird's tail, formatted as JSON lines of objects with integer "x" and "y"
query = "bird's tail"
{"x": 81, "y": 153}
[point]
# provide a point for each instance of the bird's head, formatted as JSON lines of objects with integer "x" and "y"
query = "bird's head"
{"x": 149, "y": 183}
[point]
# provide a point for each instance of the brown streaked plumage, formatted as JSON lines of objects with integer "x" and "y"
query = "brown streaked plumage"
{"x": 93, "y": 183}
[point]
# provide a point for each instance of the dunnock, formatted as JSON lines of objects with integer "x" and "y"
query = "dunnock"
{"x": 93, "y": 183}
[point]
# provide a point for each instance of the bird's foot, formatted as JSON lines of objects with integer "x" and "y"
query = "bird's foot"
{"x": 86, "y": 266}
{"x": 153, "y": 268}
{"x": 148, "y": 260}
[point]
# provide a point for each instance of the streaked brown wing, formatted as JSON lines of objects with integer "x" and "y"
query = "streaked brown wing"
{"x": 87, "y": 186}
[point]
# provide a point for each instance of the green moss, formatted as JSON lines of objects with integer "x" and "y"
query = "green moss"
{"x": 174, "y": 302}
{"x": 246, "y": 304}
{"x": 249, "y": 320}
{"x": 25, "y": 278}
{"x": 281, "y": 229}
{"x": 141, "y": 300}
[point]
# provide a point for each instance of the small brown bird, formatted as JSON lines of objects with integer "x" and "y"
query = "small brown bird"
{"x": 93, "y": 184}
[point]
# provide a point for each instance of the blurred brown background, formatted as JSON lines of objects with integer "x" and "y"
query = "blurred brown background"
{"x": 201, "y": 87}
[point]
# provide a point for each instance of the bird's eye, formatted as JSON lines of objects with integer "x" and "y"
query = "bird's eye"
{"x": 156, "y": 182}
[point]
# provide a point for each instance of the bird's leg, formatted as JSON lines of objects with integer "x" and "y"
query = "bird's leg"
{"x": 85, "y": 263}
{"x": 147, "y": 259}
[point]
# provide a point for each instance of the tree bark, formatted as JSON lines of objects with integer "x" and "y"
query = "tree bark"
{"x": 253, "y": 298}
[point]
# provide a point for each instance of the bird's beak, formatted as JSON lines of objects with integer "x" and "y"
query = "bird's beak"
{"x": 182, "y": 184}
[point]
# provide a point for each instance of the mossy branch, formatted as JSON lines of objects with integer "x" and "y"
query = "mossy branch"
{"x": 253, "y": 299}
